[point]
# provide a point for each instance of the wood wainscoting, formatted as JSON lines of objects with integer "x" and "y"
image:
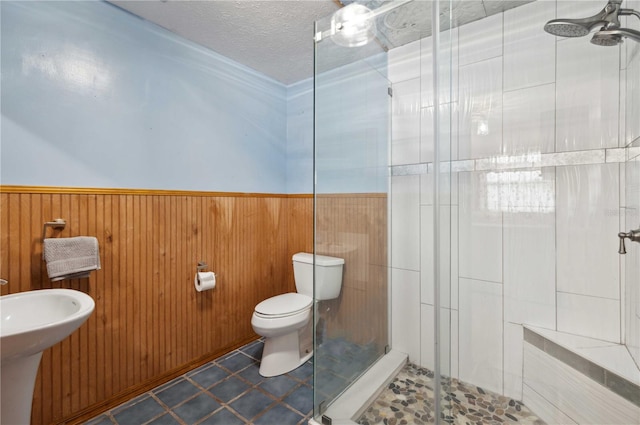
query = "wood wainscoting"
{"x": 354, "y": 227}
{"x": 149, "y": 323}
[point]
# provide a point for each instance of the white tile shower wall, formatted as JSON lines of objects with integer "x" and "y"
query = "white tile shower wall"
{"x": 480, "y": 102}
{"x": 632, "y": 91}
{"x": 528, "y": 100}
{"x": 480, "y": 334}
{"x": 630, "y": 107}
{"x": 622, "y": 101}
{"x": 529, "y": 121}
{"x": 529, "y": 54}
{"x": 405, "y": 122}
{"x": 632, "y": 187}
{"x": 448, "y": 114}
{"x": 632, "y": 258}
{"x": 480, "y": 227}
{"x": 513, "y": 341}
{"x": 544, "y": 409}
{"x": 448, "y": 66}
{"x": 587, "y": 96}
{"x": 480, "y": 40}
{"x": 572, "y": 393}
{"x": 587, "y": 223}
{"x": 448, "y": 340}
{"x": 591, "y": 316}
{"x": 530, "y": 248}
{"x": 405, "y": 222}
{"x": 448, "y": 256}
{"x": 404, "y": 62}
{"x": 405, "y": 313}
{"x": 448, "y": 183}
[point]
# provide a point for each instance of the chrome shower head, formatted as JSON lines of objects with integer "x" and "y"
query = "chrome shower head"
{"x": 568, "y": 27}
{"x": 613, "y": 37}
{"x": 607, "y": 40}
{"x": 581, "y": 27}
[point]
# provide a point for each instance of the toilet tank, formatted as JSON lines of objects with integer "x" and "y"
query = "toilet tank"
{"x": 328, "y": 275}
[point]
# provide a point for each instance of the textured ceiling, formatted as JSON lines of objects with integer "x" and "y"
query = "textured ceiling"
{"x": 272, "y": 37}
{"x": 276, "y": 37}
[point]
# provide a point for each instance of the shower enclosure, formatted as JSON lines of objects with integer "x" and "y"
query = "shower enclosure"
{"x": 474, "y": 171}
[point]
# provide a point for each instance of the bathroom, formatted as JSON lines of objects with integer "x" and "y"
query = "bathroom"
{"x": 171, "y": 154}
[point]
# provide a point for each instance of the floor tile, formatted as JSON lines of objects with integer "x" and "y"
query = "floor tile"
{"x": 279, "y": 415}
{"x": 251, "y": 404}
{"x": 140, "y": 412}
{"x": 209, "y": 376}
{"x": 278, "y": 385}
{"x": 235, "y": 393}
{"x": 177, "y": 393}
{"x": 196, "y": 408}
{"x": 228, "y": 389}
{"x": 254, "y": 349}
{"x": 100, "y": 420}
{"x": 165, "y": 419}
{"x": 168, "y": 384}
{"x": 301, "y": 399}
{"x": 236, "y": 362}
{"x": 252, "y": 374}
{"x": 223, "y": 417}
{"x": 129, "y": 403}
{"x": 303, "y": 372}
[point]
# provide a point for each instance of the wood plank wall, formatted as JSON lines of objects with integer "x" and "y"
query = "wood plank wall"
{"x": 354, "y": 227}
{"x": 149, "y": 323}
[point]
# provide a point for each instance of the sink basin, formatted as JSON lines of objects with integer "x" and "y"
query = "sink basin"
{"x": 31, "y": 322}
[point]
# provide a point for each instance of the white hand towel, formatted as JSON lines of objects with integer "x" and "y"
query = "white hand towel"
{"x": 69, "y": 258}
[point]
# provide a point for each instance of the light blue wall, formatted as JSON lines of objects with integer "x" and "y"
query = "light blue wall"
{"x": 300, "y": 137}
{"x": 352, "y": 128}
{"x": 95, "y": 97}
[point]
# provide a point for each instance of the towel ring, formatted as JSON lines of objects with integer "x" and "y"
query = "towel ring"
{"x": 57, "y": 223}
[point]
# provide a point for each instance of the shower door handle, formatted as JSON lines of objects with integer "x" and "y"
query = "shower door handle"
{"x": 633, "y": 236}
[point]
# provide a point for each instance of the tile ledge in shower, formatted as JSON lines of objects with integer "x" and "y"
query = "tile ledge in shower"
{"x": 607, "y": 363}
{"x": 355, "y": 400}
{"x": 520, "y": 161}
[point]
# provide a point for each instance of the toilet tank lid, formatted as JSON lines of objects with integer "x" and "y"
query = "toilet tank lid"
{"x": 321, "y": 260}
{"x": 284, "y": 304}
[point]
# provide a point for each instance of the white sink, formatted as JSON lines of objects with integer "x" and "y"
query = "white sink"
{"x": 31, "y": 322}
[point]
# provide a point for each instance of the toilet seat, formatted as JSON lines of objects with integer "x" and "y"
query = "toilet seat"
{"x": 283, "y": 305}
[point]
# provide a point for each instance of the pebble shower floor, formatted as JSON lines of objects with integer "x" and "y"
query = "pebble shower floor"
{"x": 226, "y": 391}
{"x": 408, "y": 399}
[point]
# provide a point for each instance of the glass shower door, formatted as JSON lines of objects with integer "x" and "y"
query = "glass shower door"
{"x": 351, "y": 168}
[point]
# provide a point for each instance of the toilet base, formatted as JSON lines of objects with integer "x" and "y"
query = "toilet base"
{"x": 281, "y": 354}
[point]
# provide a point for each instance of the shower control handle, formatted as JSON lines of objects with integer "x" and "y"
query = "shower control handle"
{"x": 632, "y": 235}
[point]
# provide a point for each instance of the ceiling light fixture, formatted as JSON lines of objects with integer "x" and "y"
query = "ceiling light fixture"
{"x": 353, "y": 26}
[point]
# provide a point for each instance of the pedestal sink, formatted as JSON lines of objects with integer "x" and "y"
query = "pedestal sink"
{"x": 31, "y": 322}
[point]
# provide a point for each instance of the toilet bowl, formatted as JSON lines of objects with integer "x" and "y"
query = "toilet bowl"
{"x": 285, "y": 320}
{"x": 280, "y": 320}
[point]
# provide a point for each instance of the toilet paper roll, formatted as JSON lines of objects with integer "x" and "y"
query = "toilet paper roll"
{"x": 204, "y": 281}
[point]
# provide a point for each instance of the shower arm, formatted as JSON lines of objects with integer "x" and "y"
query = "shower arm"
{"x": 630, "y": 12}
{"x": 623, "y": 32}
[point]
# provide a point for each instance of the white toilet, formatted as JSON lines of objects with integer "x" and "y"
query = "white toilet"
{"x": 284, "y": 320}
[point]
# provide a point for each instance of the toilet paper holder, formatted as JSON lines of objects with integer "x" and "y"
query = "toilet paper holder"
{"x": 202, "y": 266}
